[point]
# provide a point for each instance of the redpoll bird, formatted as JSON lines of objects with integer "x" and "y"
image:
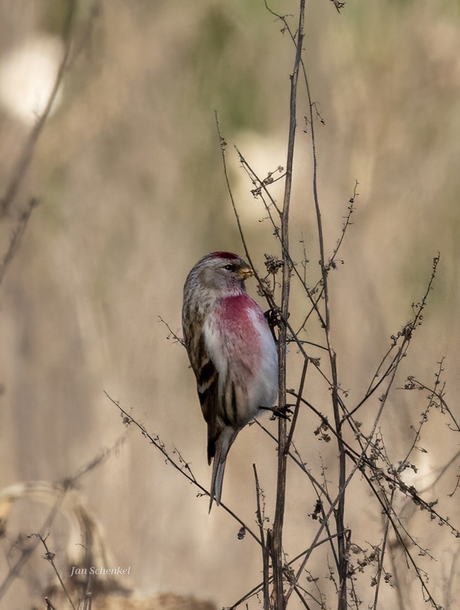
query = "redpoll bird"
{"x": 231, "y": 350}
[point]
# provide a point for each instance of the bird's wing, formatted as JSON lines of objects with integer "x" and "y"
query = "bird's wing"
{"x": 207, "y": 379}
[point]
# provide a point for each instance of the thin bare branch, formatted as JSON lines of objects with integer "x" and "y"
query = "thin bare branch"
{"x": 172, "y": 334}
{"x": 181, "y": 466}
{"x": 297, "y": 406}
{"x": 279, "y": 599}
{"x": 265, "y": 548}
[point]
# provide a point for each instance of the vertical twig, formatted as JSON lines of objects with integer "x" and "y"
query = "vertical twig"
{"x": 265, "y": 548}
{"x": 340, "y": 511}
{"x": 297, "y": 406}
{"x": 279, "y": 600}
{"x": 380, "y": 569}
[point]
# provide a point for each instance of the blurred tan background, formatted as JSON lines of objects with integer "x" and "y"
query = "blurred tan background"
{"x": 129, "y": 177}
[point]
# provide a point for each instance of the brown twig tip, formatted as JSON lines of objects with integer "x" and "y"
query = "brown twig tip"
{"x": 338, "y": 5}
{"x": 172, "y": 334}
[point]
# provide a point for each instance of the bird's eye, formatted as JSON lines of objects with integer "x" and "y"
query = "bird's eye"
{"x": 228, "y": 267}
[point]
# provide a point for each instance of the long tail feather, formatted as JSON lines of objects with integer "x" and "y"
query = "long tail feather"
{"x": 223, "y": 444}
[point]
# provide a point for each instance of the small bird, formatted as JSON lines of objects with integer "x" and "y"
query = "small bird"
{"x": 231, "y": 350}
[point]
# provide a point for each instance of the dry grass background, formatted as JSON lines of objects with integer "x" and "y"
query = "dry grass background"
{"x": 129, "y": 177}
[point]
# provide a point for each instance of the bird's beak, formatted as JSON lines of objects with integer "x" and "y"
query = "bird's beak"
{"x": 245, "y": 272}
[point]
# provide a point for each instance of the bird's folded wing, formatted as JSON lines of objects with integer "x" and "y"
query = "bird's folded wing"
{"x": 207, "y": 379}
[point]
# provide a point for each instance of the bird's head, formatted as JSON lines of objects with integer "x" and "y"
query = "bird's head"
{"x": 222, "y": 273}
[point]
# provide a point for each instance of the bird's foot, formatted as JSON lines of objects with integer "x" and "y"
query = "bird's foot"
{"x": 273, "y": 317}
{"x": 283, "y": 412}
